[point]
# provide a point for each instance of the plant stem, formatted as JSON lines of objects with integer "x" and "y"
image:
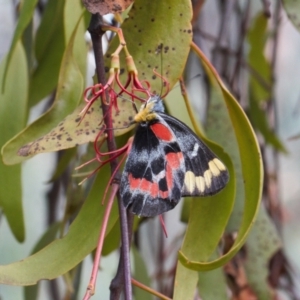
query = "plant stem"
{"x": 117, "y": 283}
{"x": 95, "y": 29}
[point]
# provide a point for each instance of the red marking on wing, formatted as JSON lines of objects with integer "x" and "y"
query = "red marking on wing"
{"x": 174, "y": 161}
{"x": 169, "y": 176}
{"x": 162, "y": 132}
{"x": 146, "y": 186}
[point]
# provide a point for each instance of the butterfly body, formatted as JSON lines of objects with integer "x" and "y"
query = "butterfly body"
{"x": 167, "y": 161}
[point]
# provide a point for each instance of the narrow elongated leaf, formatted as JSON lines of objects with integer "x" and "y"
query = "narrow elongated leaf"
{"x": 185, "y": 283}
{"x": 140, "y": 273}
{"x": 263, "y": 242}
{"x": 73, "y": 12}
{"x": 26, "y": 15}
{"x": 112, "y": 240}
{"x": 252, "y": 173}
{"x": 49, "y": 50}
{"x": 63, "y": 163}
{"x": 260, "y": 78}
{"x": 72, "y": 132}
{"x": 158, "y": 38}
{"x": 260, "y": 81}
{"x": 13, "y": 111}
{"x": 64, "y": 254}
{"x": 207, "y": 284}
{"x": 260, "y": 122}
{"x": 31, "y": 292}
{"x": 68, "y": 95}
{"x": 207, "y": 216}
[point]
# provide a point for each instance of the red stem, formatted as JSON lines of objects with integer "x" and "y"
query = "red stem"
{"x": 91, "y": 287}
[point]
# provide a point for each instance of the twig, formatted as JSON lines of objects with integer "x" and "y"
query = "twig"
{"x": 275, "y": 208}
{"x": 117, "y": 283}
{"x": 197, "y": 7}
{"x": 151, "y": 291}
{"x": 243, "y": 62}
{"x": 240, "y": 50}
{"x": 91, "y": 288}
{"x": 95, "y": 29}
{"x": 220, "y": 51}
{"x": 266, "y": 7}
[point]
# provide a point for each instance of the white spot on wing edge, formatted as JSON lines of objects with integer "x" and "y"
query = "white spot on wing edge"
{"x": 200, "y": 183}
{"x": 189, "y": 181}
{"x": 219, "y": 164}
{"x": 195, "y": 150}
{"x": 214, "y": 168}
{"x": 207, "y": 178}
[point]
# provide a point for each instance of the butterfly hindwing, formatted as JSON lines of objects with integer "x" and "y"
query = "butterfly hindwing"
{"x": 205, "y": 174}
{"x": 154, "y": 171}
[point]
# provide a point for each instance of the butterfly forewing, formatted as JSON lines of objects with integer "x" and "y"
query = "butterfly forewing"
{"x": 154, "y": 171}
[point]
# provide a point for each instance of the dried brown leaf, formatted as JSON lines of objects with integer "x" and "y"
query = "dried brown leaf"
{"x": 104, "y": 7}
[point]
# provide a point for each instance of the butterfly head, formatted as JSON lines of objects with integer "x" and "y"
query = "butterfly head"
{"x": 149, "y": 110}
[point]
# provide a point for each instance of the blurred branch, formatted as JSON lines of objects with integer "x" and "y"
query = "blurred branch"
{"x": 243, "y": 62}
{"x": 197, "y": 6}
{"x": 266, "y": 8}
{"x": 219, "y": 58}
{"x": 244, "y": 20}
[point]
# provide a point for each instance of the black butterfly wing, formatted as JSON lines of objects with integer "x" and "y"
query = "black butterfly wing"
{"x": 205, "y": 174}
{"x": 154, "y": 172}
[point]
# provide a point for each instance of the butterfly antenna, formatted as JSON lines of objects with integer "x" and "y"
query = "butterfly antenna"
{"x": 161, "y": 69}
{"x": 166, "y": 83}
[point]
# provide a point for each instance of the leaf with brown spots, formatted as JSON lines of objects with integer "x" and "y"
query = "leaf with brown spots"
{"x": 158, "y": 35}
{"x": 106, "y": 6}
{"x": 70, "y": 132}
{"x": 154, "y": 40}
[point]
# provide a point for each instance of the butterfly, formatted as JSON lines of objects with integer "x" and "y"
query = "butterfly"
{"x": 167, "y": 161}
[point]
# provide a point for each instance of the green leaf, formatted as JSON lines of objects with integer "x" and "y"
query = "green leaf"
{"x": 49, "y": 50}
{"x": 63, "y": 163}
{"x": 220, "y": 128}
{"x": 260, "y": 77}
{"x": 25, "y": 17}
{"x": 292, "y": 8}
{"x": 31, "y": 292}
{"x": 185, "y": 211}
{"x": 185, "y": 283}
{"x": 144, "y": 33}
{"x": 202, "y": 236}
{"x": 207, "y": 284}
{"x": 140, "y": 273}
{"x": 259, "y": 120}
{"x": 112, "y": 240}
{"x": 13, "y": 111}
{"x": 252, "y": 176}
{"x": 68, "y": 95}
{"x": 260, "y": 81}
{"x": 64, "y": 254}
{"x": 263, "y": 242}
{"x": 73, "y": 12}
{"x": 68, "y": 133}
{"x": 208, "y": 217}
